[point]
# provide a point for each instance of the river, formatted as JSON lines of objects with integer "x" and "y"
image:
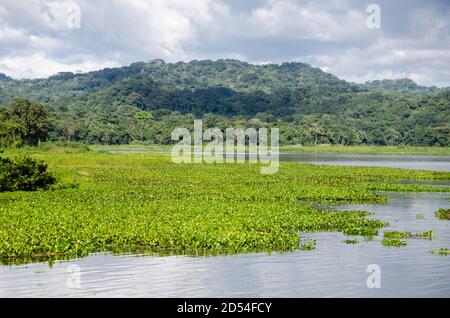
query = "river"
{"x": 333, "y": 269}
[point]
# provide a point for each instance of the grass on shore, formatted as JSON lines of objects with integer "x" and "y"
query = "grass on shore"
{"x": 142, "y": 202}
{"x": 66, "y": 147}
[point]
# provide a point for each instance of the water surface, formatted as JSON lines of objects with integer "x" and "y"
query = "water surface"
{"x": 435, "y": 163}
{"x": 333, "y": 269}
{"x": 418, "y": 162}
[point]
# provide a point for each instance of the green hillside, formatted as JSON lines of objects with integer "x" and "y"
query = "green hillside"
{"x": 146, "y": 101}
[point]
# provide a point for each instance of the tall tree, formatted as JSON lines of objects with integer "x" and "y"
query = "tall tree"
{"x": 317, "y": 131}
{"x": 10, "y": 130}
{"x": 33, "y": 118}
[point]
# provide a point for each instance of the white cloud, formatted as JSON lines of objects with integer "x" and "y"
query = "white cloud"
{"x": 111, "y": 30}
{"x": 39, "y": 65}
{"x": 307, "y": 20}
{"x": 414, "y": 39}
{"x": 8, "y": 34}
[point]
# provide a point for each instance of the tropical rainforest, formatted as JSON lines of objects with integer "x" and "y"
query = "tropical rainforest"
{"x": 145, "y": 101}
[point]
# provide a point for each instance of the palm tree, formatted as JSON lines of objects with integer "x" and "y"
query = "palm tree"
{"x": 317, "y": 131}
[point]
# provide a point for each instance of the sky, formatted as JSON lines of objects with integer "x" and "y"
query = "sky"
{"x": 349, "y": 38}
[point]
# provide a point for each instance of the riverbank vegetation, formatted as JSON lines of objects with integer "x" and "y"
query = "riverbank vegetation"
{"x": 325, "y": 149}
{"x": 142, "y": 202}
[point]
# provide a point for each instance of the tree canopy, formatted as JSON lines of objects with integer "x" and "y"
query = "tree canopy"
{"x": 146, "y": 101}
{"x": 23, "y": 123}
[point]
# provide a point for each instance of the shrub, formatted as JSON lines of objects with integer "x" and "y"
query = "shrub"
{"x": 24, "y": 174}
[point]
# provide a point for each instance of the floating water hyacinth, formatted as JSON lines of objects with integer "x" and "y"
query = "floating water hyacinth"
{"x": 443, "y": 214}
{"x": 142, "y": 202}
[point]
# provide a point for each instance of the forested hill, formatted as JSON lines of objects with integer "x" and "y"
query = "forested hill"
{"x": 236, "y": 75}
{"x": 145, "y": 101}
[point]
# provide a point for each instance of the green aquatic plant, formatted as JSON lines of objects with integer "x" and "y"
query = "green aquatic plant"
{"x": 420, "y": 216}
{"x": 397, "y": 235}
{"x": 441, "y": 251}
{"x": 396, "y": 242}
{"x": 443, "y": 214}
{"x": 350, "y": 241}
{"x": 307, "y": 244}
{"x": 142, "y": 202}
{"x": 395, "y": 238}
{"x": 408, "y": 235}
{"x": 425, "y": 235}
{"x": 361, "y": 230}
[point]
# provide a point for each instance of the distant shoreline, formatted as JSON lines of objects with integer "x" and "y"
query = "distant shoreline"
{"x": 370, "y": 150}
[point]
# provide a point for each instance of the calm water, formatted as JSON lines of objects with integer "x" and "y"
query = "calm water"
{"x": 436, "y": 163}
{"x": 333, "y": 269}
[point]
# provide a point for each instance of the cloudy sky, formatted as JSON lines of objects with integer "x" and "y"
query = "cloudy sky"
{"x": 39, "y": 38}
